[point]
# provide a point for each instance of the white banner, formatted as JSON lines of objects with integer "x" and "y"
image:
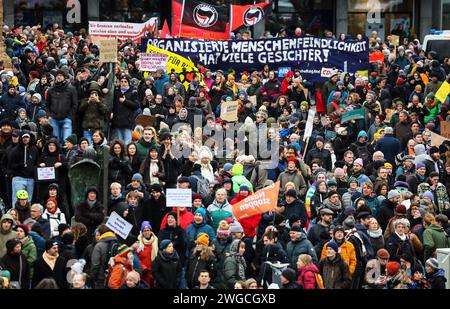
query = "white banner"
{"x": 119, "y": 225}
{"x": 179, "y": 198}
{"x": 151, "y": 62}
{"x": 309, "y": 125}
{"x": 122, "y": 31}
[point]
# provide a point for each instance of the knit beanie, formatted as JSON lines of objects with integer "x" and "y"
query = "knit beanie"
{"x": 203, "y": 239}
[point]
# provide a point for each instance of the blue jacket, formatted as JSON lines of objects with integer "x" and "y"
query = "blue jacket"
{"x": 39, "y": 241}
{"x": 195, "y": 229}
{"x": 300, "y": 246}
{"x": 390, "y": 146}
{"x": 159, "y": 83}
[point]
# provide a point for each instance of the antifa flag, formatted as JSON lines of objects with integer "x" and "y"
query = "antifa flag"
{"x": 249, "y": 15}
{"x": 201, "y": 20}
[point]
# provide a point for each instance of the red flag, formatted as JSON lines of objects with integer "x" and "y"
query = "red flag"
{"x": 165, "y": 32}
{"x": 200, "y": 20}
{"x": 248, "y": 15}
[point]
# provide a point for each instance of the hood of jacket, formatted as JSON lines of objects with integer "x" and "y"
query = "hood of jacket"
{"x": 238, "y": 169}
{"x": 46, "y": 152}
{"x": 419, "y": 150}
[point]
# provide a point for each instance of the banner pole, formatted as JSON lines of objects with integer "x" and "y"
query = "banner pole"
{"x": 306, "y": 147}
{"x": 181, "y": 19}
{"x": 231, "y": 19}
{"x": 178, "y": 216}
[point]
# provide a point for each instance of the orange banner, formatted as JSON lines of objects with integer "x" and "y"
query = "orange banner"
{"x": 260, "y": 202}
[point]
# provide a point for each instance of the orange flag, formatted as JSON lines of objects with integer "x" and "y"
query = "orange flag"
{"x": 260, "y": 202}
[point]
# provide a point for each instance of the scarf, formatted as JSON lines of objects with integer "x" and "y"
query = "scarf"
{"x": 375, "y": 234}
{"x": 239, "y": 259}
{"x": 49, "y": 259}
{"x": 153, "y": 242}
{"x": 402, "y": 237}
{"x": 91, "y": 203}
{"x": 107, "y": 234}
{"x": 207, "y": 172}
{"x": 153, "y": 169}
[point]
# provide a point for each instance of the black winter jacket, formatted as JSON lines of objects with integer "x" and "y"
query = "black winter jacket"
{"x": 123, "y": 113}
{"x": 62, "y": 101}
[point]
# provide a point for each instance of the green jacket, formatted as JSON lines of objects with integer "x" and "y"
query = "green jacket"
{"x": 238, "y": 179}
{"x": 93, "y": 114}
{"x": 434, "y": 237}
{"x": 143, "y": 147}
{"x": 30, "y": 252}
{"x": 6, "y": 235}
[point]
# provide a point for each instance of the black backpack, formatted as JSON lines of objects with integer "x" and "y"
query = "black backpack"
{"x": 363, "y": 153}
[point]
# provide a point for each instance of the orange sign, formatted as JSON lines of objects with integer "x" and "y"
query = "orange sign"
{"x": 260, "y": 202}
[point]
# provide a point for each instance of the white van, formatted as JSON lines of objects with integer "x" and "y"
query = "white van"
{"x": 438, "y": 41}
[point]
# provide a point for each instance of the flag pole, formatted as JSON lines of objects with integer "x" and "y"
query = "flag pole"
{"x": 231, "y": 19}
{"x": 181, "y": 18}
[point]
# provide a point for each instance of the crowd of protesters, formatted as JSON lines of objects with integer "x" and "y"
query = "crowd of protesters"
{"x": 362, "y": 204}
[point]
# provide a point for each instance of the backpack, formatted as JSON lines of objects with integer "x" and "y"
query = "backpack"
{"x": 363, "y": 153}
{"x": 111, "y": 252}
{"x": 202, "y": 186}
{"x": 319, "y": 281}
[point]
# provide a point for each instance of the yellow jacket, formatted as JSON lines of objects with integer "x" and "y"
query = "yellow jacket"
{"x": 348, "y": 254}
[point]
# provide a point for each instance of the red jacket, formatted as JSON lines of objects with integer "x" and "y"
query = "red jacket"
{"x": 285, "y": 83}
{"x": 186, "y": 218}
{"x": 307, "y": 278}
{"x": 249, "y": 224}
{"x": 320, "y": 104}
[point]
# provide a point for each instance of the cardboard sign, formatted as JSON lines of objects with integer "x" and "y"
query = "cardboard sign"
{"x": 122, "y": 31}
{"x": 108, "y": 50}
{"x": 395, "y": 40}
{"x": 153, "y": 61}
{"x": 253, "y": 100}
{"x": 46, "y": 173}
{"x": 445, "y": 129}
{"x": 437, "y": 140}
{"x": 229, "y": 111}
{"x": 389, "y": 113}
{"x": 119, "y": 225}
{"x": 179, "y": 198}
{"x": 260, "y": 202}
{"x": 443, "y": 92}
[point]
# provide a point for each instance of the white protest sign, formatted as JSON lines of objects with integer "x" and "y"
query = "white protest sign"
{"x": 119, "y": 225}
{"x": 309, "y": 124}
{"x": 46, "y": 173}
{"x": 179, "y": 198}
{"x": 121, "y": 30}
{"x": 152, "y": 61}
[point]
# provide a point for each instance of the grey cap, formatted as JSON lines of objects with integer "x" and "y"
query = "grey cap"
{"x": 326, "y": 211}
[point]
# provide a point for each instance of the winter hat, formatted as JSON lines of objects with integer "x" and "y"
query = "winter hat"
{"x": 392, "y": 268}
{"x": 433, "y": 263}
{"x": 41, "y": 114}
{"x": 400, "y": 209}
{"x": 183, "y": 179}
{"x": 431, "y": 96}
{"x": 349, "y": 211}
{"x": 296, "y": 228}
{"x": 359, "y": 161}
{"x": 291, "y": 192}
{"x": 349, "y": 223}
{"x": 338, "y": 228}
{"x": 67, "y": 239}
{"x": 135, "y": 136}
{"x": 352, "y": 179}
{"x": 156, "y": 187}
{"x": 224, "y": 228}
{"x": 146, "y": 225}
{"x": 50, "y": 243}
{"x": 173, "y": 214}
{"x": 73, "y": 139}
{"x": 362, "y": 133}
{"x": 25, "y": 228}
{"x": 393, "y": 194}
{"x": 331, "y": 182}
{"x": 196, "y": 196}
{"x": 339, "y": 172}
{"x": 236, "y": 227}
{"x": 137, "y": 177}
{"x": 429, "y": 195}
{"x": 383, "y": 254}
{"x": 123, "y": 251}
{"x": 203, "y": 239}
{"x": 227, "y": 167}
{"x": 164, "y": 244}
{"x": 244, "y": 188}
{"x": 201, "y": 211}
{"x": 289, "y": 274}
{"x": 333, "y": 246}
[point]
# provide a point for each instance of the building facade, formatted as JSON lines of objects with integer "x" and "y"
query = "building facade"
{"x": 313, "y": 16}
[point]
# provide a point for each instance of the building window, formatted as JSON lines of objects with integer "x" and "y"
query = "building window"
{"x": 446, "y": 15}
{"x": 134, "y": 11}
{"x": 383, "y": 16}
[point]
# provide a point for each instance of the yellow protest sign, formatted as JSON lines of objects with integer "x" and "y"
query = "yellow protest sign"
{"x": 184, "y": 67}
{"x": 395, "y": 40}
{"x": 229, "y": 110}
{"x": 443, "y": 92}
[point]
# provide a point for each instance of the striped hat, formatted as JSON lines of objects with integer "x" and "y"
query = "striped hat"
{"x": 123, "y": 251}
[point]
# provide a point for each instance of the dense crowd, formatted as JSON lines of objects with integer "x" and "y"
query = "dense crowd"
{"x": 362, "y": 203}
